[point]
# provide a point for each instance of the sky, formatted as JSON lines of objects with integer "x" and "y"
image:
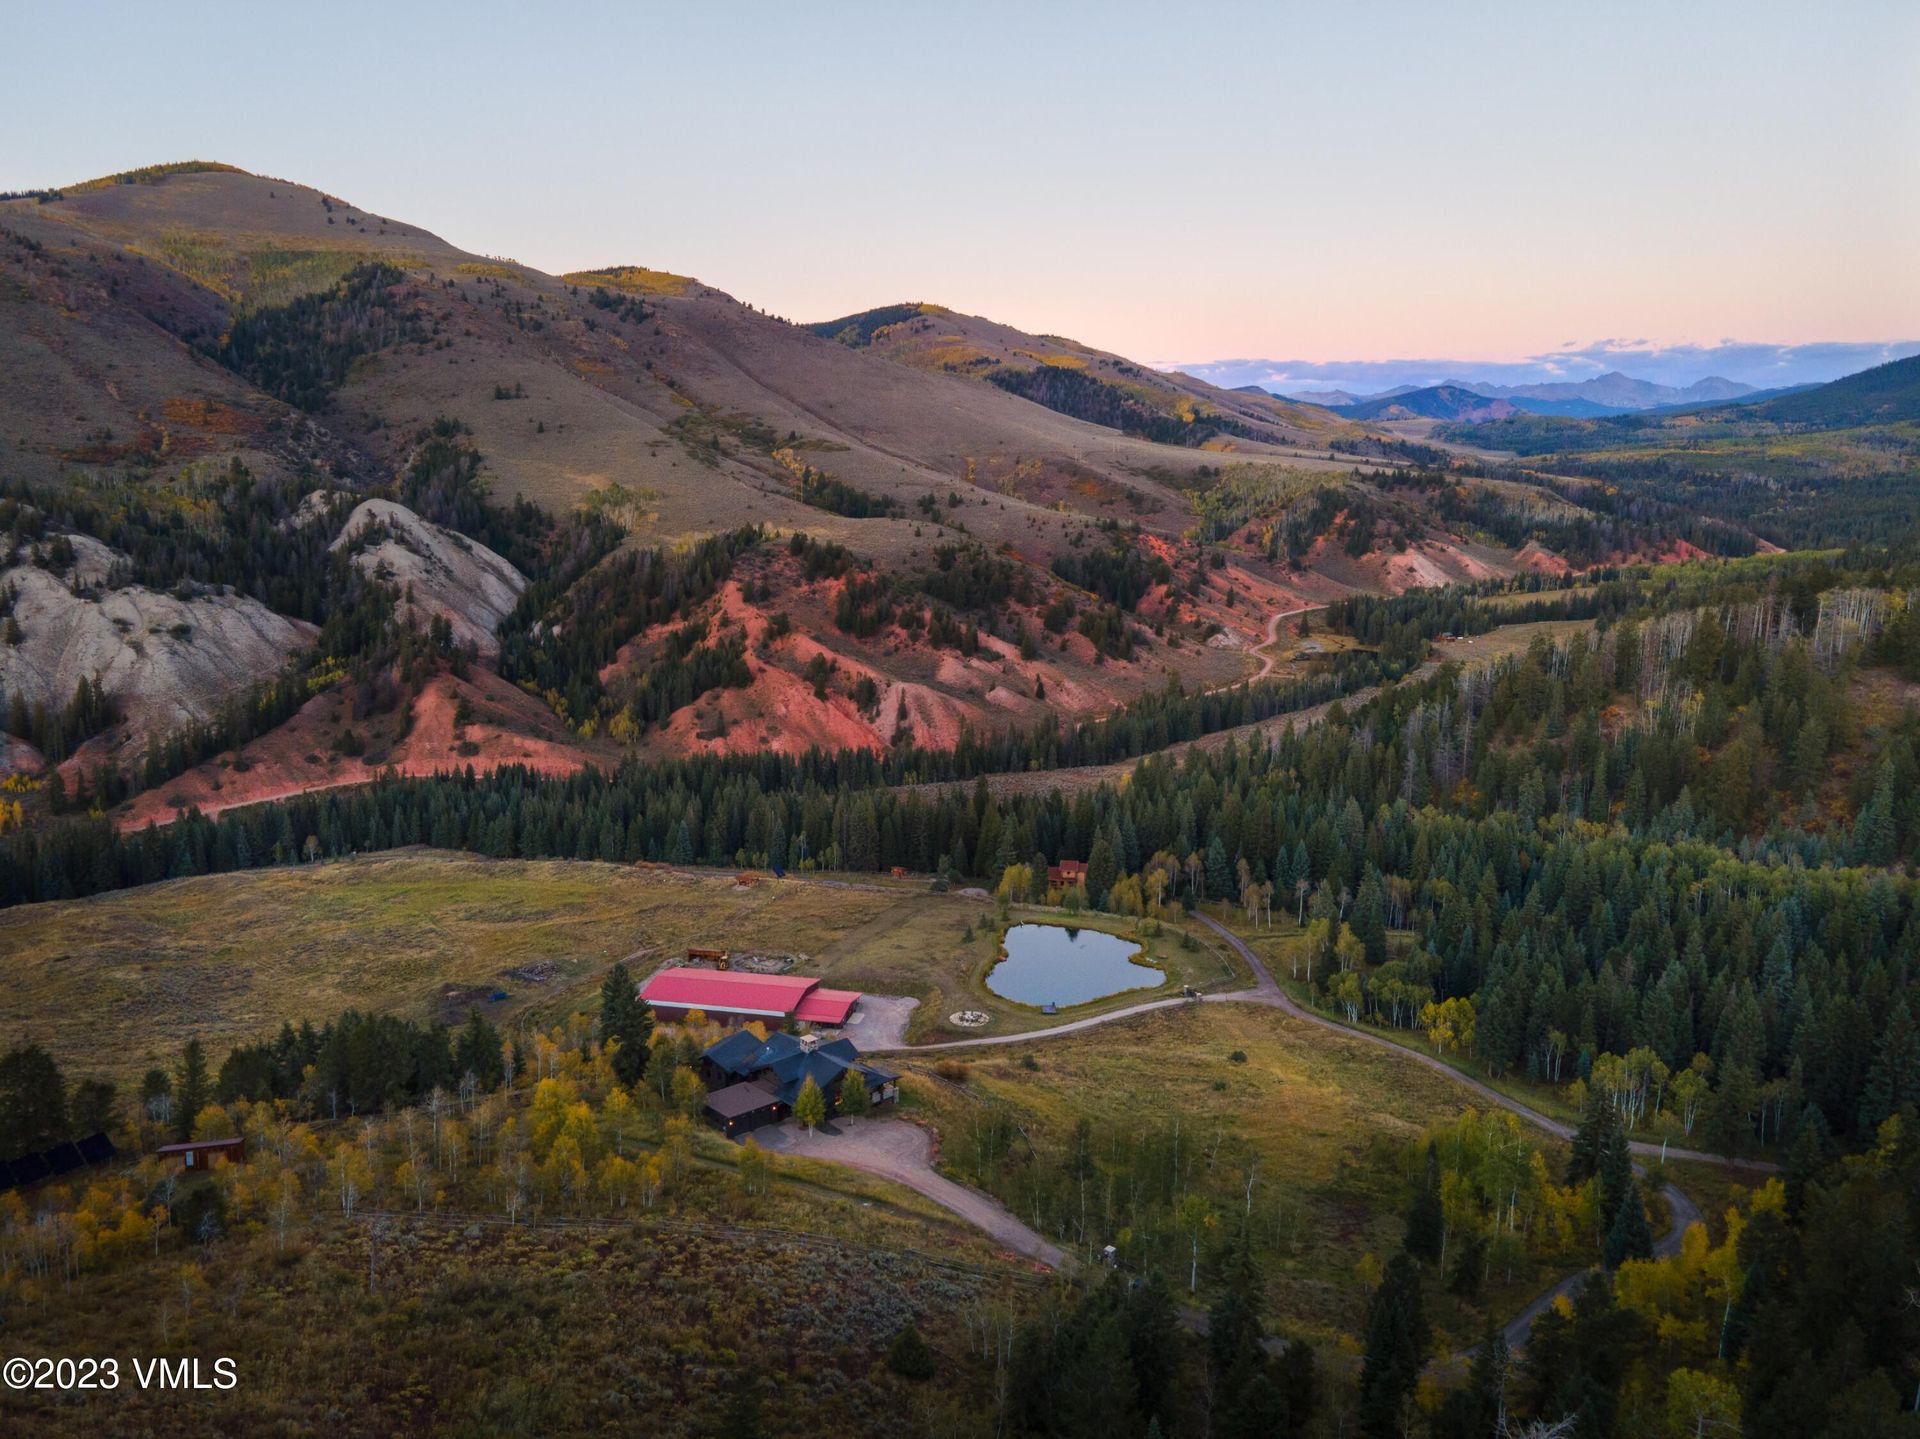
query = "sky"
{"x": 1182, "y": 184}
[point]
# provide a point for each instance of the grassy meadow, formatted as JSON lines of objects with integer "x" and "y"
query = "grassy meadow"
{"x": 1332, "y": 1131}
{"x": 116, "y": 984}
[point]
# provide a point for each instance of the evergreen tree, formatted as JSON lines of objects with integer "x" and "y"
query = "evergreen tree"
{"x": 742, "y": 1417}
{"x": 1153, "y": 1343}
{"x": 190, "y": 1089}
{"x": 1893, "y": 1084}
{"x": 478, "y": 1052}
{"x": 1598, "y": 1119}
{"x": 1102, "y": 870}
{"x": 626, "y": 1023}
{"x": 1628, "y": 1237}
{"x": 908, "y": 1355}
{"x": 1396, "y": 1349}
{"x": 33, "y": 1102}
{"x": 1426, "y": 1223}
{"x": 1806, "y": 1157}
{"x": 92, "y": 1107}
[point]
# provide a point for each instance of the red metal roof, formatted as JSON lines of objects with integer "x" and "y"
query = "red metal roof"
{"x": 827, "y": 1006}
{"x": 727, "y": 990}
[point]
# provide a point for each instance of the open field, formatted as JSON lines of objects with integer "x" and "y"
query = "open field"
{"x": 1331, "y": 1129}
{"x": 119, "y": 982}
{"x": 116, "y": 984}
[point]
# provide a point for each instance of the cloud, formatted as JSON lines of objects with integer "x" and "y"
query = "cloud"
{"x": 1761, "y": 365}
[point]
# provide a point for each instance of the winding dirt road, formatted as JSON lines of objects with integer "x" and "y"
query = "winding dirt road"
{"x": 909, "y": 1161}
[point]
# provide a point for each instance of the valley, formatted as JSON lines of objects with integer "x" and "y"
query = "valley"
{"x": 1484, "y": 815}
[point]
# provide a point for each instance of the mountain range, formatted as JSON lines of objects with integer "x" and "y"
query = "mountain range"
{"x": 265, "y": 445}
{"x": 236, "y": 405}
{"x": 1764, "y": 366}
{"x": 1609, "y": 394}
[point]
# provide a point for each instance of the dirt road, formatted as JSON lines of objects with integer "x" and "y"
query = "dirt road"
{"x": 903, "y": 1152}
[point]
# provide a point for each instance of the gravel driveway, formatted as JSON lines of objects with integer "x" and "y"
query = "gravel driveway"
{"x": 879, "y": 1021}
{"x": 903, "y": 1152}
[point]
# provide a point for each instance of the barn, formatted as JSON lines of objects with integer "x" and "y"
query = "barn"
{"x": 731, "y": 996}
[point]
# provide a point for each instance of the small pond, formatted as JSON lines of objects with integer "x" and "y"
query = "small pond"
{"x": 1052, "y": 964}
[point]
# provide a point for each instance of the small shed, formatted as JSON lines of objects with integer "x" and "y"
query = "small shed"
{"x": 716, "y": 957}
{"x": 742, "y": 1108}
{"x": 198, "y": 1154}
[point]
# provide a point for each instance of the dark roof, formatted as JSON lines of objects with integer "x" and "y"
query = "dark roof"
{"x": 823, "y": 1069}
{"x": 199, "y": 1144}
{"x": 738, "y": 1099}
{"x": 737, "y": 1052}
{"x": 788, "y": 1061}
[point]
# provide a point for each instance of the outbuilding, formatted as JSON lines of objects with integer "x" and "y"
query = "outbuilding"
{"x": 733, "y": 996}
{"x": 742, "y": 1108}
{"x": 198, "y": 1154}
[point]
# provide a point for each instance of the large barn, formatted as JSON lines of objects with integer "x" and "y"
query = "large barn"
{"x": 731, "y": 996}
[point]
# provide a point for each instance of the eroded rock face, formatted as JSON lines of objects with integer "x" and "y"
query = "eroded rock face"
{"x": 164, "y": 661}
{"x": 450, "y": 574}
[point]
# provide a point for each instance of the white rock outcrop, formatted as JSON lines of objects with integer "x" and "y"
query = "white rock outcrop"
{"x": 165, "y": 661}
{"x": 450, "y": 574}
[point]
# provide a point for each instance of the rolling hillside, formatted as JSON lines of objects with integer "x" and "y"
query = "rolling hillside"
{"x": 988, "y": 528}
{"x": 1436, "y": 402}
{"x": 1083, "y": 382}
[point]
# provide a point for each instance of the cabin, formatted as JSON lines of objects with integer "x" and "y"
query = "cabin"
{"x": 716, "y": 958}
{"x": 754, "y": 1082}
{"x": 731, "y": 996}
{"x": 198, "y": 1154}
{"x": 1067, "y": 873}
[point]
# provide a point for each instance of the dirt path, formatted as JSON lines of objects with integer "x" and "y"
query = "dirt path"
{"x": 1494, "y": 645}
{"x": 1265, "y": 651}
{"x": 1267, "y": 991}
{"x": 903, "y": 1152}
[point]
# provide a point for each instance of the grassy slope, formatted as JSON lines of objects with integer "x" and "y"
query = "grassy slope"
{"x": 116, "y": 984}
{"x": 120, "y": 982}
{"x": 1333, "y": 1122}
{"x": 472, "y": 1329}
{"x": 935, "y": 339}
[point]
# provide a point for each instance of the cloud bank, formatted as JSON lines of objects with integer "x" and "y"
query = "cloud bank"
{"x": 1762, "y": 366}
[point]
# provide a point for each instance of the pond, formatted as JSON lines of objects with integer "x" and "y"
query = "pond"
{"x": 1052, "y": 964}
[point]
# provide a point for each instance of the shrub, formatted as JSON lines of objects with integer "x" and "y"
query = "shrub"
{"x": 908, "y": 1355}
